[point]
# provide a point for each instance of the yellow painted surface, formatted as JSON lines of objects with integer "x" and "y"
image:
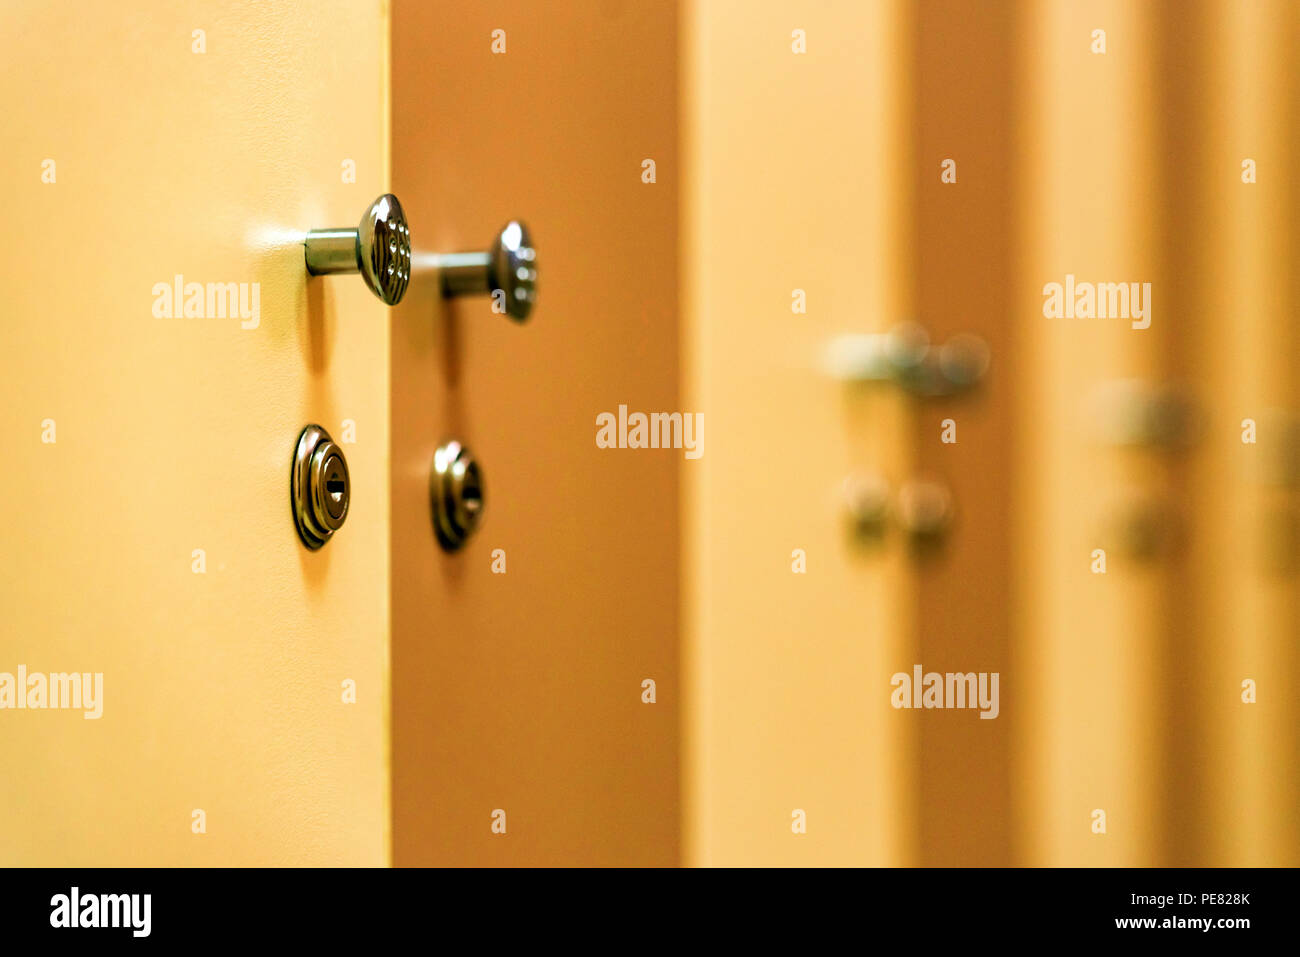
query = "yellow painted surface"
{"x": 1089, "y": 650}
{"x": 222, "y": 690}
{"x": 1131, "y": 680}
{"x": 134, "y": 440}
{"x": 1249, "y": 240}
{"x": 796, "y": 176}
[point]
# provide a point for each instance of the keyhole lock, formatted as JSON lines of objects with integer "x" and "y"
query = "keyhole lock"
{"x": 456, "y": 492}
{"x": 319, "y": 486}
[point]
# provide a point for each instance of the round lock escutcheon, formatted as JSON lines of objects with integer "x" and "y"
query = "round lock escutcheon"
{"x": 456, "y": 493}
{"x": 320, "y": 487}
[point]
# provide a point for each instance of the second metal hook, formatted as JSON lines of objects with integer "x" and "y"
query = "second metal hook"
{"x": 508, "y": 269}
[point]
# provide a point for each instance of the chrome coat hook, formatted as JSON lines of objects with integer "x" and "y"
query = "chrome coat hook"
{"x": 905, "y": 357}
{"x": 509, "y": 266}
{"x": 379, "y": 248}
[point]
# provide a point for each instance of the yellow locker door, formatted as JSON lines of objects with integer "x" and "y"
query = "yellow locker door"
{"x": 148, "y": 535}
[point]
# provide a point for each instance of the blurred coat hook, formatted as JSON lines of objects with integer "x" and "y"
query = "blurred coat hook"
{"x": 905, "y": 357}
{"x": 1141, "y": 413}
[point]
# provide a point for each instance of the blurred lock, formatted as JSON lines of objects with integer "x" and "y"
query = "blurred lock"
{"x": 925, "y": 509}
{"x": 866, "y": 497}
{"x": 922, "y": 508}
{"x": 1142, "y": 525}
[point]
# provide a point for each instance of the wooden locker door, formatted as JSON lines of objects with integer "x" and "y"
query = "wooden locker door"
{"x": 1135, "y": 168}
{"x": 799, "y": 193}
{"x": 1236, "y": 104}
{"x": 1089, "y": 643}
{"x": 521, "y": 692}
{"x": 963, "y": 108}
{"x": 148, "y": 535}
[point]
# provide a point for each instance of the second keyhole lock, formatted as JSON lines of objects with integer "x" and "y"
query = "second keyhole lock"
{"x": 457, "y": 495}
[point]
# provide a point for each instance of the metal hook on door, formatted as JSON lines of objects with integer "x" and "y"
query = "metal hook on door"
{"x": 507, "y": 269}
{"x": 379, "y": 248}
{"x": 905, "y": 357}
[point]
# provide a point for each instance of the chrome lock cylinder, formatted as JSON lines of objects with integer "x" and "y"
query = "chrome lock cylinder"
{"x": 320, "y": 487}
{"x": 456, "y": 494}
